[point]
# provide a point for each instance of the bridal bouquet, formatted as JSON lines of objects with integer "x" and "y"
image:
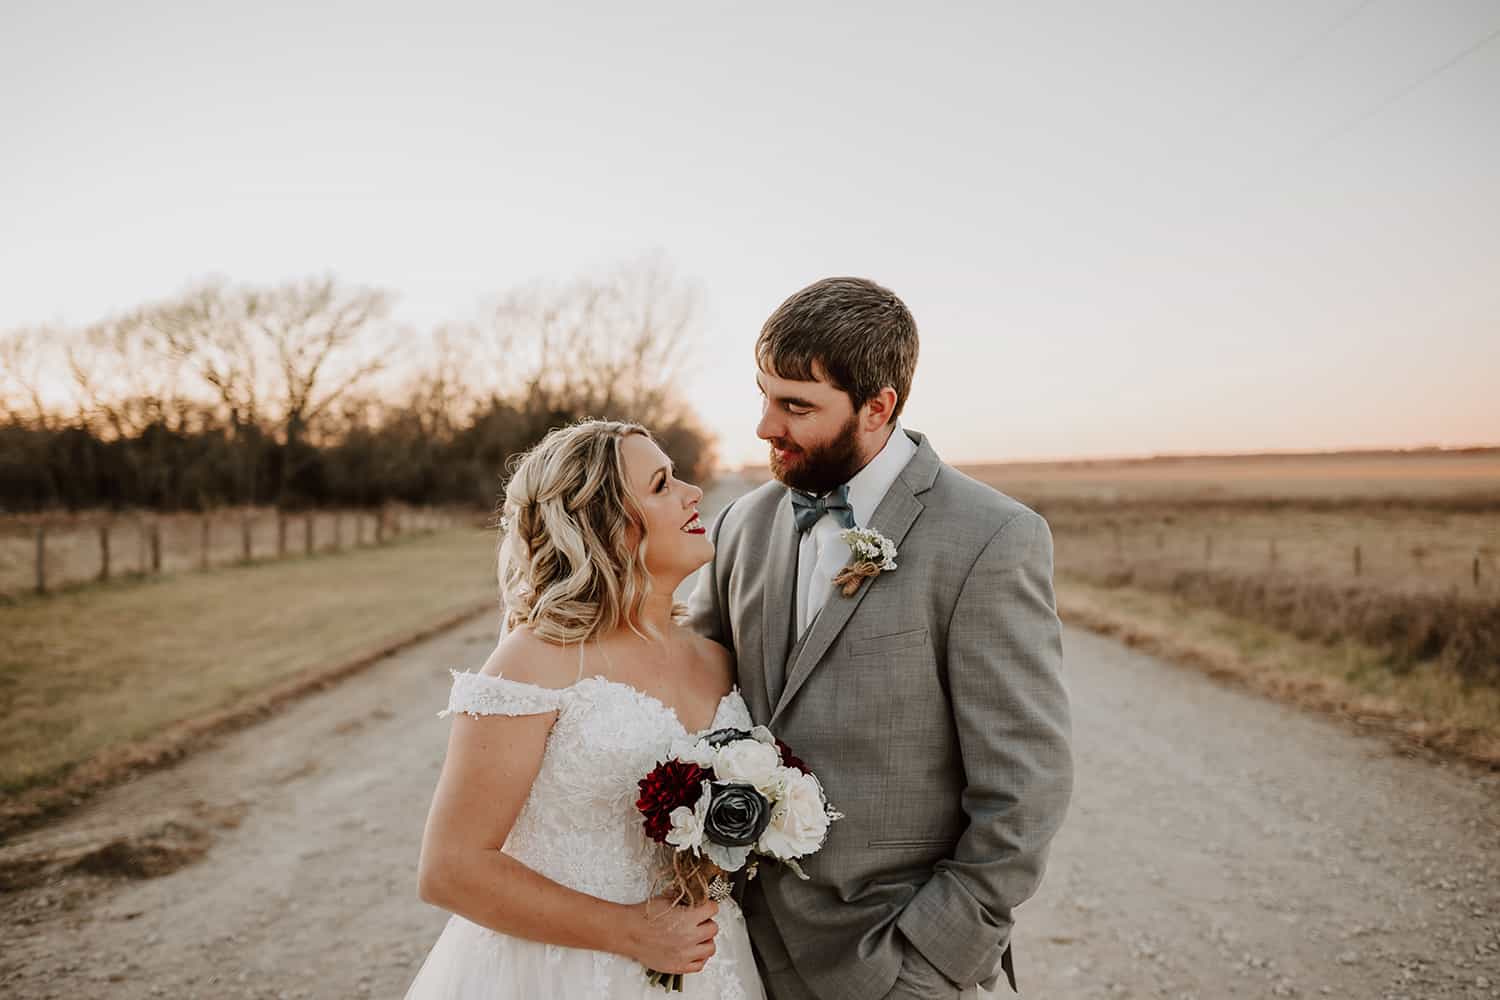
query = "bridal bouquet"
{"x": 726, "y": 801}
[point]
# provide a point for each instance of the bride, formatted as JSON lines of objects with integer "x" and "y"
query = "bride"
{"x": 533, "y": 841}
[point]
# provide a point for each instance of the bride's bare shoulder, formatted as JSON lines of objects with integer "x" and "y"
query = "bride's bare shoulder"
{"x": 715, "y": 658}
{"x": 524, "y": 656}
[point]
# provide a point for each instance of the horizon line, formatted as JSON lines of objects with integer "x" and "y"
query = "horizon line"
{"x": 1173, "y": 456}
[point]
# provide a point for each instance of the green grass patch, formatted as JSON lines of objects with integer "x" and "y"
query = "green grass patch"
{"x": 99, "y": 666}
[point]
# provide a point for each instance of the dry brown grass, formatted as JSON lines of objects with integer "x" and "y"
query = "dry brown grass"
{"x": 1380, "y": 573}
{"x": 1401, "y": 580}
{"x": 113, "y": 666}
{"x": 1426, "y": 706}
{"x": 1454, "y": 476}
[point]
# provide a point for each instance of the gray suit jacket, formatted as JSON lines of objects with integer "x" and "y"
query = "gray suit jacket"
{"x": 932, "y": 707}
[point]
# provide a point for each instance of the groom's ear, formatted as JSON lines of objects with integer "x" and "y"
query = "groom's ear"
{"x": 876, "y": 412}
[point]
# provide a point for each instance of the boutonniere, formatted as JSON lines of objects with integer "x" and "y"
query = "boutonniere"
{"x": 870, "y": 554}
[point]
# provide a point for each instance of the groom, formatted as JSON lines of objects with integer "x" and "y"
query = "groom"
{"x": 929, "y": 700}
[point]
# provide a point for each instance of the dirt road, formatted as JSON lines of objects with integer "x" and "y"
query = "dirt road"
{"x": 1218, "y": 846}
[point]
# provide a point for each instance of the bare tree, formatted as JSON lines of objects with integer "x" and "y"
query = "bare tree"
{"x": 296, "y": 392}
{"x": 128, "y": 376}
{"x": 441, "y": 392}
{"x": 206, "y": 330}
{"x": 325, "y": 340}
{"x": 32, "y": 369}
{"x": 278, "y": 357}
{"x": 610, "y": 346}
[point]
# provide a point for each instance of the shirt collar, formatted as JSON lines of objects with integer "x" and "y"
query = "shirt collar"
{"x": 869, "y": 486}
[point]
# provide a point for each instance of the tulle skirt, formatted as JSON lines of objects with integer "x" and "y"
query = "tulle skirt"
{"x": 470, "y": 962}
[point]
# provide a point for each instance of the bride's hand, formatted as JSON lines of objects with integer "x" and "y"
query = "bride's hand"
{"x": 670, "y": 938}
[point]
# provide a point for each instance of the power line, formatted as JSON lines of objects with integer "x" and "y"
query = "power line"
{"x": 1398, "y": 94}
{"x": 1294, "y": 59}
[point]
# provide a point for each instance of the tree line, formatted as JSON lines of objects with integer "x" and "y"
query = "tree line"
{"x": 306, "y": 393}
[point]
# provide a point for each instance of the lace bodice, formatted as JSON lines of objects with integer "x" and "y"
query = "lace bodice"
{"x": 579, "y": 825}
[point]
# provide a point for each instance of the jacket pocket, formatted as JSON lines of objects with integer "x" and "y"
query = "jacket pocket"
{"x": 899, "y": 843}
{"x": 888, "y": 643}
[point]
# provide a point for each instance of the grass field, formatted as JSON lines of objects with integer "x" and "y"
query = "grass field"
{"x": 98, "y": 666}
{"x": 1366, "y": 578}
{"x": 1422, "y": 583}
{"x": 1357, "y": 477}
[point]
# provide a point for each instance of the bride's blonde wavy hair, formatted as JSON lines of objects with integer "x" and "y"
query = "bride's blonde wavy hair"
{"x": 567, "y": 565}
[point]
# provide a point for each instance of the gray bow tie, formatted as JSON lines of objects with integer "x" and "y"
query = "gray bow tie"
{"x": 806, "y": 510}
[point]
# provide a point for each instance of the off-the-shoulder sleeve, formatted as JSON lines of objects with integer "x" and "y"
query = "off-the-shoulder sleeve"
{"x": 480, "y": 694}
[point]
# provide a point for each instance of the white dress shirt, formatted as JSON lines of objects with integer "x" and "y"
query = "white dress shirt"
{"x": 821, "y": 553}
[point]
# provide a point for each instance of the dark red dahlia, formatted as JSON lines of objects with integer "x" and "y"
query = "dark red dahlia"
{"x": 789, "y": 759}
{"x": 671, "y": 785}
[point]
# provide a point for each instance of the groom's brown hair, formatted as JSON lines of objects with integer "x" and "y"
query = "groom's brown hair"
{"x": 859, "y": 333}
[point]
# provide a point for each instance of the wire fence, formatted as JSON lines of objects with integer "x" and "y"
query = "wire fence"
{"x": 1462, "y": 567}
{"x": 1424, "y": 587}
{"x": 45, "y": 552}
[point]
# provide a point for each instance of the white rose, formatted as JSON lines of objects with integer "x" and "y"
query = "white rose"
{"x": 750, "y": 761}
{"x": 687, "y": 824}
{"x": 799, "y": 820}
{"x": 776, "y": 784}
{"x": 694, "y": 752}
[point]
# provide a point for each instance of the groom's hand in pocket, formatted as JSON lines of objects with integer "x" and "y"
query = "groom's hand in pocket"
{"x": 919, "y": 979}
{"x": 671, "y": 938}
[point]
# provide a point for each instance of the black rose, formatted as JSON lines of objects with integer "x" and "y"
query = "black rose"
{"x": 737, "y": 815}
{"x": 719, "y": 737}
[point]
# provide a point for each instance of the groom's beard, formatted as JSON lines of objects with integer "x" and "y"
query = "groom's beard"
{"x": 818, "y": 470}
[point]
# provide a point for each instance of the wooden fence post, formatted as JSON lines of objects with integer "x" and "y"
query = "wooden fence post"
{"x": 245, "y": 543}
{"x": 1476, "y": 569}
{"x": 280, "y": 534}
{"x": 205, "y": 538}
{"x": 155, "y": 545}
{"x": 104, "y": 549}
{"x": 41, "y": 557}
{"x": 1358, "y": 562}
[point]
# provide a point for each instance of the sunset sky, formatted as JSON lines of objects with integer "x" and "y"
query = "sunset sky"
{"x": 1124, "y": 228}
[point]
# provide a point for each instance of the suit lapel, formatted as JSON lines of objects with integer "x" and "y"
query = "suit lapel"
{"x": 777, "y": 596}
{"x": 894, "y": 517}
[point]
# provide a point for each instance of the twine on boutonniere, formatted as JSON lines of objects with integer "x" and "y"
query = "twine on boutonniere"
{"x": 871, "y": 554}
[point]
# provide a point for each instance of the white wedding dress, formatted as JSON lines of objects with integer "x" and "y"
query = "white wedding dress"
{"x": 580, "y": 827}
